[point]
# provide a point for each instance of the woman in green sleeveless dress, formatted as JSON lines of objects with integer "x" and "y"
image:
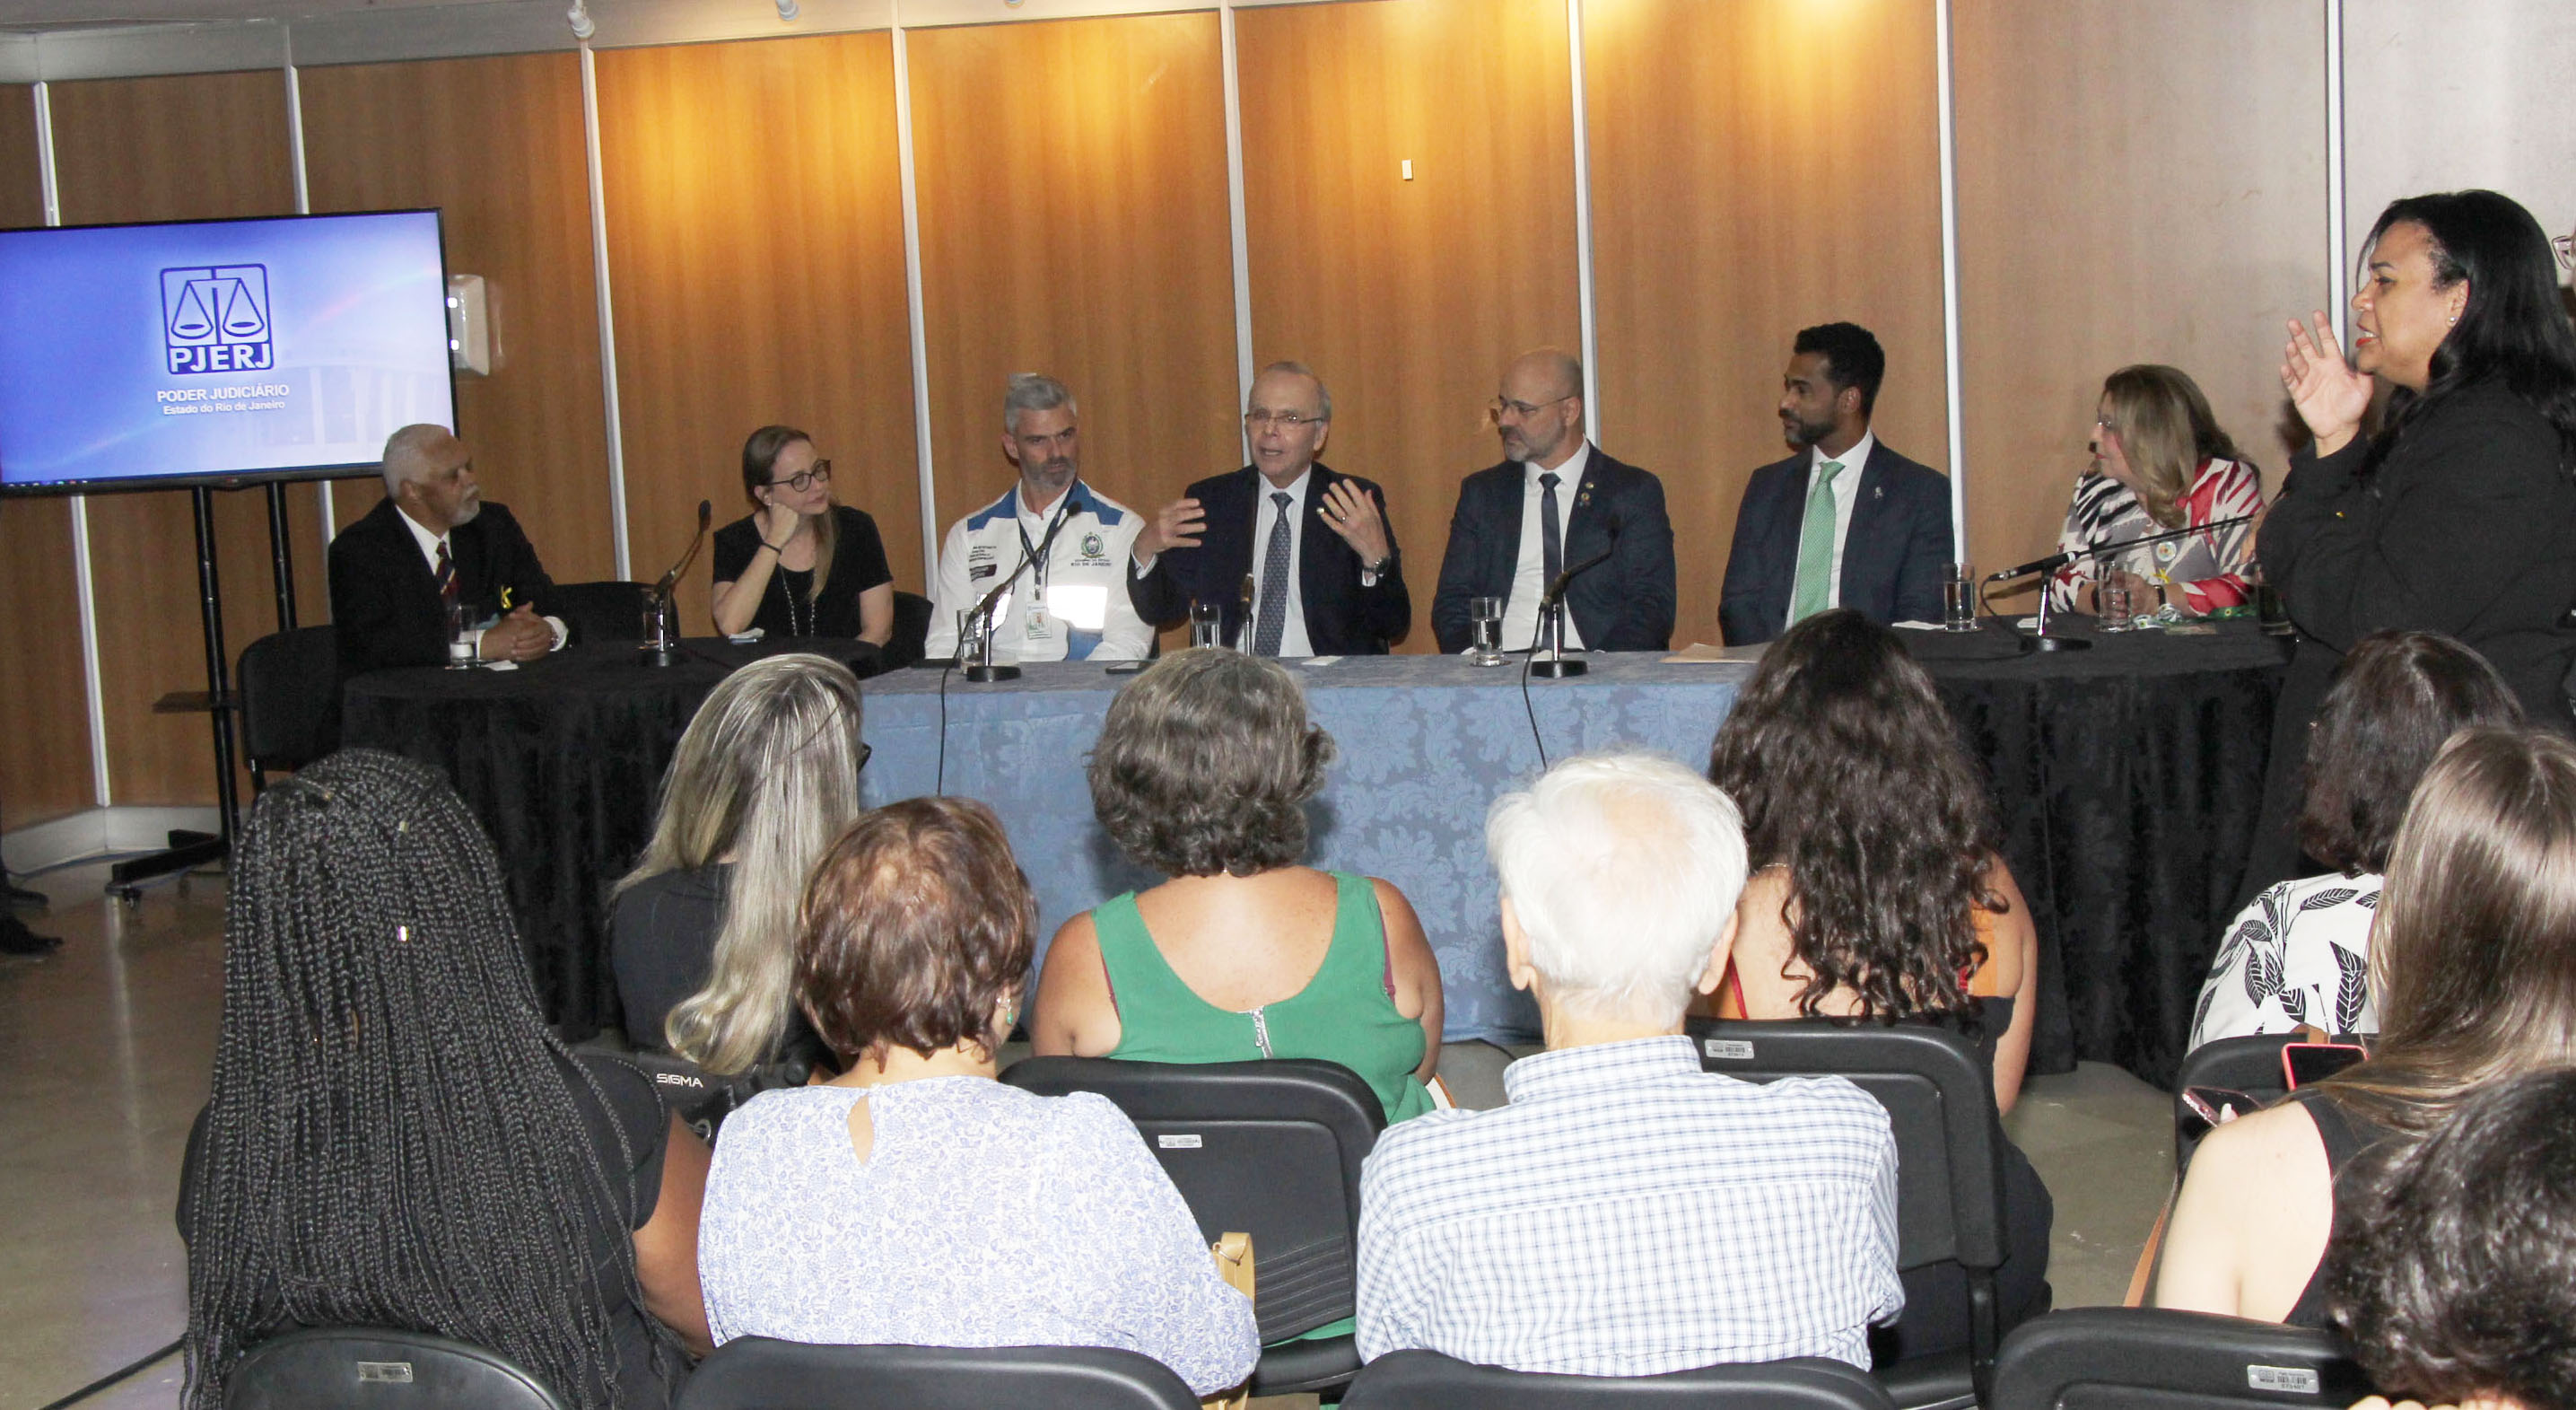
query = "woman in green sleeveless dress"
{"x": 1201, "y": 773}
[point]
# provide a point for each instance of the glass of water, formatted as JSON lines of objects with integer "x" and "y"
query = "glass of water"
{"x": 1207, "y": 623}
{"x": 1485, "y": 627}
{"x": 2115, "y": 603}
{"x": 1959, "y": 598}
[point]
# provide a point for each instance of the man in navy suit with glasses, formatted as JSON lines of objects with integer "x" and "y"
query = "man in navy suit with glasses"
{"x": 1845, "y": 522}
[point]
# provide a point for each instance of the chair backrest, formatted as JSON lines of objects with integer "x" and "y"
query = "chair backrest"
{"x": 603, "y": 611}
{"x": 290, "y": 697}
{"x": 2251, "y": 1065}
{"x": 1940, "y": 1103}
{"x": 2099, "y": 1358}
{"x": 1272, "y": 1149}
{"x": 372, "y": 1368}
{"x": 1426, "y": 1380}
{"x": 911, "y": 630}
{"x": 756, "y": 1373}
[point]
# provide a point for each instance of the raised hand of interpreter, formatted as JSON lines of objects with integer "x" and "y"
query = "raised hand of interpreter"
{"x": 2330, "y": 395}
{"x": 1177, "y": 525}
{"x": 1354, "y": 515}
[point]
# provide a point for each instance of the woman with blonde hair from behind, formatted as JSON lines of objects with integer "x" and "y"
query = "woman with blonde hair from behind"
{"x": 702, "y": 933}
{"x": 2473, "y": 961}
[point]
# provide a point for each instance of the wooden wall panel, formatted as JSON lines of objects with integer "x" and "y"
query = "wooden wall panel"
{"x": 44, "y": 705}
{"x": 1757, "y": 167}
{"x": 755, "y": 236}
{"x": 1071, "y": 177}
{"x": 200, "y": 146}
{"x": 2137, "y": 183}
{"x": 1409, "y": 297}
{"x": 497, "y": 145}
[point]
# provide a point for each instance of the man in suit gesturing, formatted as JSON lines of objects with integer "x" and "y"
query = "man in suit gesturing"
{"x": 1337, "y": 593}
{"x": 1845, "y": 522}
{"x": 429, "y": 544}
{"x": 1557, "y": 502}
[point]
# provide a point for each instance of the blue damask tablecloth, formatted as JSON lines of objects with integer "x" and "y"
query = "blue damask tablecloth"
{"x": 1425, "y": 745}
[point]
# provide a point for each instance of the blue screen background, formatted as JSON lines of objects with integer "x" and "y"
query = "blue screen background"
{"x": 355, "y": 320}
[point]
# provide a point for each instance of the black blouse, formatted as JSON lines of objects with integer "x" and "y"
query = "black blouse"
{"x": 858, "y": 564}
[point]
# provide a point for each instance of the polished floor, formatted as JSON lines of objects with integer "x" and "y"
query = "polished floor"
{"x": 107, "y": 1047}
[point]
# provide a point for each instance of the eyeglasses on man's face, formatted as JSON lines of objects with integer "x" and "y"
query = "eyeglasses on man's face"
{"x": 2565, "y": 246}
{"x": 1523, "y": 410}
{"x": 1284, "y": 420}
{"x": 804, "y": 480}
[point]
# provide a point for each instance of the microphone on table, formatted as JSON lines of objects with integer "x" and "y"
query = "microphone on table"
{"x": 985, "y": 671}
{"x": 663, "y": 639}
{"x": 2043, "y": 641}
{"x": 1551, "y": 608}
{"x": 671, "y": 579}
{"x": 1243, "y": 599}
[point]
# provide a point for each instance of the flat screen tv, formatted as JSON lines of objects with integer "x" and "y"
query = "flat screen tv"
{"x": 217, "y": 352}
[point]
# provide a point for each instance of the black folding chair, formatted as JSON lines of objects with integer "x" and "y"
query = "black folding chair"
{"x": 289, "y": 686}
{"x": 603, "y": 611}
{"x": 1949, "y": 1156}
{"x": 911, "y": 630}
{"x": 2251, "y": 1065}
{"x": 1271, "y": 1149}
{"x": 756, "y": 1373}
{"x": 371, "y": 1368}
{"x": 1424, "y": 1380}
{"x": 2090, "y": 1357}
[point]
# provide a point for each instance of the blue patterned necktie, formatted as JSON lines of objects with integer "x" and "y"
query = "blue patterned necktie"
{"x": 1274, "y": 583}
{"x": 1551, "y": 541}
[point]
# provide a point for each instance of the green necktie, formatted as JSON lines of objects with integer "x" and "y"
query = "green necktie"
{"x": 1816, "y": 547}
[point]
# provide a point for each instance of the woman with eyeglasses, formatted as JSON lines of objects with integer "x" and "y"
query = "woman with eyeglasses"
{"x": 2160, "y": 462}
{"x": 799, "y": 565}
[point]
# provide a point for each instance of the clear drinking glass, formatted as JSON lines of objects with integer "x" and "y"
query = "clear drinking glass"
{"x": 1207, "y": 623}
{"x": 1485, "y": 628}
{"x": 971, "y": 638}
{"x": 1959, "y": 598}
{"x": 460, "y": 651}
{"x": 2115, "y": 604}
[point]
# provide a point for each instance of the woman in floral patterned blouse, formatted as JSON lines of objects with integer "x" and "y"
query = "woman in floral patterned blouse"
{"x": 2160, "y": 462}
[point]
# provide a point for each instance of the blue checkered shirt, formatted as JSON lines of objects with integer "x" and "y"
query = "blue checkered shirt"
{"x": 1628, "y": 1214}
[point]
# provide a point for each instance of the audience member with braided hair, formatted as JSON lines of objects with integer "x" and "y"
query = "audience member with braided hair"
{"x": 1877, "y": 893}
{"x": 396, "y": 1139}
{"x": 701, "y": 939}
{"x": 914, "y": 1199}
{"x": 2453, "y": 1265}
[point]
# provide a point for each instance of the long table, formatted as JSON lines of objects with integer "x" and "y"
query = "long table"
{"x": 2127, "y": 780}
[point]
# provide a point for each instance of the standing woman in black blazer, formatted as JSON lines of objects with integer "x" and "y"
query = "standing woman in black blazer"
{"x": 800, "y": 565}
{"x": 2459, "y": 514}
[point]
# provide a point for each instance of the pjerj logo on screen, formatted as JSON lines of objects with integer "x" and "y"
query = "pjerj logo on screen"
{"x": 214, "y": 318}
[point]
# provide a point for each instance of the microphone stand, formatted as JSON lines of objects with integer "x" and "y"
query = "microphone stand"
{"x": 662, "y": 643}
{"x": 1555, "y": 665}
{"x": 2043, "y": 641}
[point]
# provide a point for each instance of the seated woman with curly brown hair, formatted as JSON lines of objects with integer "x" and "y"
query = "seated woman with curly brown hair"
{"x": 1877, "y": 893}
{"x": 1201, "y": 773}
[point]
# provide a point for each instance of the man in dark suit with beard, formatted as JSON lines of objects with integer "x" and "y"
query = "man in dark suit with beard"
{"x": 1557, "y": 502}
{"x": 1845, "y": 522}
{"x": 1314, "y": 542}
{"x": 432, "y": 545}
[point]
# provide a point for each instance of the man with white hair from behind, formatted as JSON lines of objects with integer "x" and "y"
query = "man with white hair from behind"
{"x": 1628, "y": 1214}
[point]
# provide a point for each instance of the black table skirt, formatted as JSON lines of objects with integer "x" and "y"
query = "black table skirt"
{"x": 561, "y": 761}
{"x": 2128, "y": 780}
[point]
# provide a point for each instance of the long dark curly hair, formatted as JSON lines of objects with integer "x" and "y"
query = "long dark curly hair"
{"x": 392, "y": 1139}
{"x": 1850, "y": 777}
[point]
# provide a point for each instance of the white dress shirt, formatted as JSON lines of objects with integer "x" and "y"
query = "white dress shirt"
{"x": 1529, "y": 576}
{"x": 1846, "y": 494}
{"x": 429, "y": 545}
{"x": 1292, "y": 637}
